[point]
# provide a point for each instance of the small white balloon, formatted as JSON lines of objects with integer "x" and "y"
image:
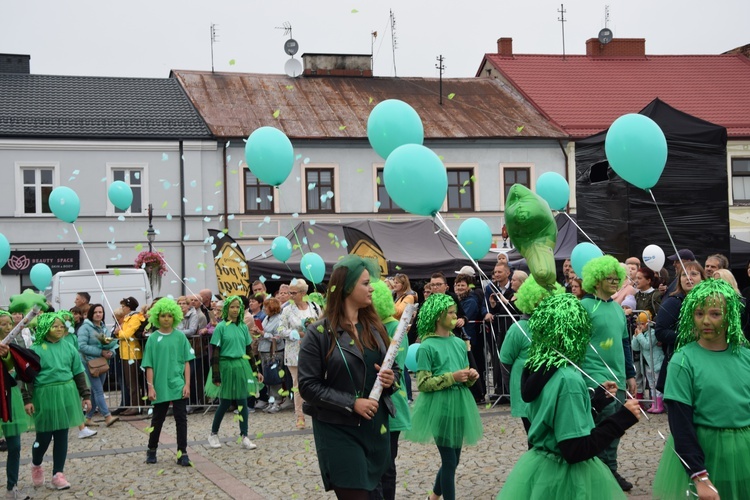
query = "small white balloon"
{"x": 653, "y": 257}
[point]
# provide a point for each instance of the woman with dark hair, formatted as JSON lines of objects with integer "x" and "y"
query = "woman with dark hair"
{"x": 646, "y": 296}
{"x": 339, "y": 362}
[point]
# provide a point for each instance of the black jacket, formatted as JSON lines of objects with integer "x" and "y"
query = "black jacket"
{"x": 326, "y": 386}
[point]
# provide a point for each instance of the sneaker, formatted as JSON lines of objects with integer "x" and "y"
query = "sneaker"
{"x": 37, "y": 475}
{"x": 151, "y": 456}
{"x": 625, "y": 485}
{"x": 287, "y": 404}
{"x": 86, "y": 433}
{"x": 59, "y": 482}
{"x": 247, "y": 444}
{"x": 249, "y": 410}
{"x": 273, "y": 408}
{"x": 213, "y": 441}
{"x": 260, "y": 404}
{"x": 184, "y": 460}
{"x": 17, "y": 494}
{"x": 3, "y": 445}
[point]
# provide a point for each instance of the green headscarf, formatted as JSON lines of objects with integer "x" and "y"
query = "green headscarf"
{"x": 356, "y": 265}
{"x": 225, "y": 308}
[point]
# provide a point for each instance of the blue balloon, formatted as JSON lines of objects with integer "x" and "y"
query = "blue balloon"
{"x": 475, "y": 236}
{"x": 411, "y": 357}
{"x": 41, "y": 276}
{"x": 415, "y": 179}
{"x": 636, "y": 149}
{"x": 269, "y": 155}
{"x": 4, "y": 250}
{"x": 65, "y": 204}
{"x": 582, "y": 254}
{"x": 312, "y": 266}
{"x": 554, "y": 189}
{"x": 120, "y": 194}
{"x": 391, "y": 124}
{"x": 281, "y": 248}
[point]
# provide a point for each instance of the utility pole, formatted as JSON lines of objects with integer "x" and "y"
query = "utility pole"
{"x": 213, "y": 40}
{"x": 440, "y": 68}
{"x": 562, "y": 20}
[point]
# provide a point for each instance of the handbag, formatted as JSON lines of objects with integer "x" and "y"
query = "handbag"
{"x": 98, "y": 366}
{"x": 271, "y": 368}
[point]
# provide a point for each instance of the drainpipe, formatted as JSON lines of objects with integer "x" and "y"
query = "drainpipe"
{"x": 224, "y": 174}
{"x": 182, "y": 215}
{"x": 567, "y": 178}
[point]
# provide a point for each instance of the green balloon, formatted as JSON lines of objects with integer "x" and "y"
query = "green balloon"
{"x": 533, "y": 231}
{"x": 25, "y": 302}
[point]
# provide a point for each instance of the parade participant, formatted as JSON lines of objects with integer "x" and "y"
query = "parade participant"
{"x": 444, "y": 412}
{"x": 706, "y": 393}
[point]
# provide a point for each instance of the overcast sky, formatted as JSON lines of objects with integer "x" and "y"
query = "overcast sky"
{"x": 142, "y": 38}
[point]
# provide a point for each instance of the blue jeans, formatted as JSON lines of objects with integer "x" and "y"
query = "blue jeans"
{"x": 97, "y": 394}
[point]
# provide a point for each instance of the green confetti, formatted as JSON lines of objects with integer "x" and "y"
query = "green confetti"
{"x": 245, "y": 356}
{"x": 383, "y": 429}
{"x": 316, "y": 245}
{"x": 161, "y": 471}
{"x": 295, "y": 389}
{"x": 290, "y": 87}
{"x": 131, "y": 492}
{"x": 258, "y": 435}
{"x": 466, "y": 182}
{"x": 276, "y": 113}
{"x": 179, "y": 454}
{"x": 441, "y": 157}
{"x": 342, "y": 127}
{"x": 91, "y": 493}
{"x": 299, "y": 464}
{"x": 398, "y": 268}
{"x": 217, "y": 183}
{"x": 307, "y": 445}
{"x": 451, "y": 95}
{"x": 502, "y": 430}
{"x": 333, "y": 288}
{"x": 191, "y": 463}
{"x": 201, "y": 266}
{"x": 310, "y": 230}
{"x": 149, "y": 430}
{"x": 487, "y": 406}
{"x": 164, "y": 205}
{"x": 377, "y": 180}
{"x": 116, "y": 272}
{"x": 370, "y": 101}
{"x": 282, "y": 373}
{"x": 351, "y": 342}
{"x": 354, "y": 11}
{"x": 145, "y": 398}
{"x": 473, "y": 178}
{"x": 317, "y": 488}
{"x": 231, "y": 62}
{"x": 239, "y": 440}
{"x": 360, "y": 170}
{"x": 238, "y": 418}
{"x": 462, "y": 191}
{"x": 320, "y": 328}
{"x": 138, "y": 247}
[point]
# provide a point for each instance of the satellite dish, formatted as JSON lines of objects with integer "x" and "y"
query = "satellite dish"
{"x": 605, "y": 36}
{"x": 293, "y": 68}
{"x": 291, "y": 47}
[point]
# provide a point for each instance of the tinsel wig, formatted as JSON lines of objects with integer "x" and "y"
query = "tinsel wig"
{"x": 531, "y": 293}
{"x": 430, "y": 312}
{"x": 44, "y": 323}
{"x": 560, "y": 332}
{"x": 6, "y": 313}
{"x": 165, "y": 305}
{"x": 599, "y": 268}
{"x": 225, "y": 308}
{"x": 382, "y": 300}
{"x": 728, "y": 299}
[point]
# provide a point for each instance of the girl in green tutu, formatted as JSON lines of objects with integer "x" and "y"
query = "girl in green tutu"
{"x": 445, "y": 412}
{"x": 232, "y": 378}
{"x": 706, "y": 393}
{"x": 562, "y": 462}
{"x": 54, "y": 400}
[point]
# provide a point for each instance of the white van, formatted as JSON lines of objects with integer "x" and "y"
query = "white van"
{"x": 117, "y": 284}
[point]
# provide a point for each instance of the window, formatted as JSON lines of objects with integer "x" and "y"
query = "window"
{"x": 741, "y": 179}
{"x": 460, "y": 190}
{"x": 38, "y": 183}
{"x": 515, "y": 175}
{"x": 258, "y": 196}
{"x": 320, "y": 189}
{"x": 387, "y": 205}
{"x": 135, "y": 177}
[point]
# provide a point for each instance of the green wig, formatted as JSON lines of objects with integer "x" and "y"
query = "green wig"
{"x": 430, "y": 312}
{"x": 6, "y": 313}
{"x": 599, "y": 268}
{"x": 382, "y": 300}
{"x": 732, "y": 304}
{"x": 560, "y": 332}
{"x": 531, "y": 293}
{"x": 225, "y": 308}
{"x": 165, "y": 305}
{"x": 44, "y": 323}
{"x": 356, "y": 265}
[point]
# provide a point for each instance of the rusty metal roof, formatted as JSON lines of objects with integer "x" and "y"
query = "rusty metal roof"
{"x": 235, "y": 104}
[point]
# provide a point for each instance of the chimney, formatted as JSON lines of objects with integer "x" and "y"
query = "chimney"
{"x": 618, "y": 47}
{"x": 15, "y": 63}
{"x": 505, "y": 47}
{"x": 356, "y": 65}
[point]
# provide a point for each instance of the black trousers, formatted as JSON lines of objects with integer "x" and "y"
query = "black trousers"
{"x": 180, "y": 418}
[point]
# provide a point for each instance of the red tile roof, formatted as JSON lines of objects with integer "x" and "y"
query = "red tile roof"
{"x": 584, "y": 94}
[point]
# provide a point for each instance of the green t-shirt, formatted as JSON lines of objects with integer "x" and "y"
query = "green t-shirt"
{"x": 608, "y": 329}
{"x": 515, "y": 351}
{"x": 60, "y": 362}
{"x": 167, "y": 354}
{"x": 441, "y": 355}
{"x": 561, "y": 412}
{"x": 402, "y": 420}
{"x": 232, "y": 338}
{"x": 715, "y": 383}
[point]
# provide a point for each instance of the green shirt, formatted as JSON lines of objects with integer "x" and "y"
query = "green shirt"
{"x": 167, "y": 354}
{"x": 608, "y": 328}
{"x": 437, "y": 359}
{"x": 515, "y": 351}
{"x": 402, "y": 420}
{"x": 715, "y": 383}
{"x": 561, "y": 412}
{"x": 59, "y": 360}
{"x": 232, "y": 338}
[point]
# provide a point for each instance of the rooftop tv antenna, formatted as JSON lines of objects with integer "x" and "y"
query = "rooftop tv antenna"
{"x": 287, "y": 27}
{"x": 441, "y": 68}
{"x": 292, "y": 68}
{"x": 214, "y": 39}
{"x": 562, "y": 20}
{"x": 394, "y": 42}
{"x": 605, "y": 35}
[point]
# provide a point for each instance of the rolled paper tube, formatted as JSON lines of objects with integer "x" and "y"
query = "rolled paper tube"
{"x": 21, "y": 325}
{"x": 390, "y": 355}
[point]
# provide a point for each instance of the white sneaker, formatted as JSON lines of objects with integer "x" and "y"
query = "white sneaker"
{"x": 287, "y": 404}
{"x": 247, "y": 444}
{"x": 86, "y": 433}
{"x": 15, "y": 493}
{"x": 213, "y": 441}
{"x": 273, "y": 408}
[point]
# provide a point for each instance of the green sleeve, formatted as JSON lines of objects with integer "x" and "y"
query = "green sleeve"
{"x": 8, "y": 362}
{"x": 426, "y": 382}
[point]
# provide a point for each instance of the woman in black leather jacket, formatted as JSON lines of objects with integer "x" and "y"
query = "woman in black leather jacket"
{"x": 339, "y": 360}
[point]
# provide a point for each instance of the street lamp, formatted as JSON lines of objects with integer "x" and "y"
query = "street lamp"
{"x": 150, "y": 233}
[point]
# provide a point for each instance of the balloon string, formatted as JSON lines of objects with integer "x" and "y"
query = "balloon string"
{"x": 579, "y": 227}
{"x": 93, "y": 271}
{"x": 2, "y": 290}
{"x": 682, "y": 265}
{"x": 178, "y": 276}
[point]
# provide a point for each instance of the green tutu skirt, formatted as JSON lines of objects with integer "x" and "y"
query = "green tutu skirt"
{"x": 19, "y": 420}
{"x": 448, "y": 417}
{"x": 541, "y": 475}
{"x": 237, "y": 380}
{"x": 726, "y": 456}
{"x": 57, "y": 406}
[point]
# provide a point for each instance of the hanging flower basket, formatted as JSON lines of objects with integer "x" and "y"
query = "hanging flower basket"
{"x": 154, "y": 265}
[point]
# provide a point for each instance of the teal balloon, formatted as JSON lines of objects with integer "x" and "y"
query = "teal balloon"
{"x": 636, "y": 149}
{"x": 41, "y": 276}
{"x": 582, "y": 254}
{"x": 415, "y": 179}
{"x": 313, "y": 268}
{"x": 120, "y": 194}
{"x": 554, "y": 189}
{"x": 281, "y": 248}
{"x": 475, "y": 236}
{"x": 4, "y": 250}
{"x": 411, "y": 357}
{"x": 65, "y": 204}
{"x": 269, "y": 155}
{"x": 392, "y": 124}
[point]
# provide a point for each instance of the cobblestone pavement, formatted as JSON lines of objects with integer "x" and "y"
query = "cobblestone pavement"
{"x": 284, "y": 466}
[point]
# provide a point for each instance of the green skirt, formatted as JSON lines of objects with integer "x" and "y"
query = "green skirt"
{"x": 238, "y": 381}
{"x": 57, "y": 406}
{"x": 19, "y": 420}
{"x": 726, "y": 456}
{"x": 448, "y": 417}
{"x": 541, "y": 475}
